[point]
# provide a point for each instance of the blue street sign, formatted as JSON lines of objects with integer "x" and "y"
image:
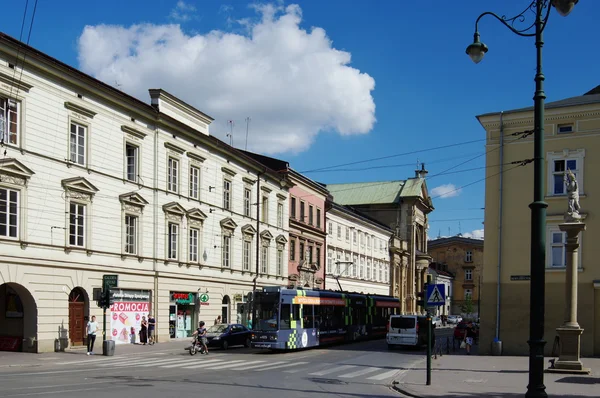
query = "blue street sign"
{"x": 435, "y": 295}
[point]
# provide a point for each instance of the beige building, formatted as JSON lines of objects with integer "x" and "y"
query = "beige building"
{"x": 572, "y": 136}
{"x": 462, "y": 257}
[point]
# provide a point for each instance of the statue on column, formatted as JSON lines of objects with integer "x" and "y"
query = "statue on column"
{"x": 573, "y": 197}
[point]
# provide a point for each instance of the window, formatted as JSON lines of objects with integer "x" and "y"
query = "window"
{"x": 310, "y": 255}
{"x": 173, "y": 241}
{"x": 564, "y": 128}
{"x": 194, "y": 182}
{"x": 77, "y": 224}
{"x": 368, "y": 269}
{"x": 347, "y": 234}
{"x": 265, "y": 209}
{"x": 131, "y": 162}
{"x": 279, "y": 260}
{"x": 293, "y": 208}
{"x": 280, "y": 215}
{"x": 9, "y": 213}
{"x": 330, "y": 228}
{"x": 292, "y": 250}
{"x": 337, "y": 263}
{"x": 339, "y": 232}
{"x": 227, "y": 194}
{"x": 77, "y": 140}
{"x": 560, "y": 167}
{"x": 318, "y": 218}
{"x": 265, "y": 260}
{"x": 247, "y": 194}
{"x": 302, "y": 254}
{"x": 469, "y": 256}
{"x": 226, "y": 251}
{"x": 193, "y": 254}
{"x": 329, "y": 260}
{"x": 302, "y": 212}
{"x": 9, "y": 121}
{"x": 354, "y": 233}
{"x": 558, "y": 252}
{"x": 131, "y": 227}
{"x": 173, "y": 175}
{"x": 354, "y": 269}
{"x": 468, "y": 274}
{"x": 468, "y": 294}
{"x": 246, "y": 248}
{"x": 318, "y": 257}
{"x": 368, "y": 241}
{"x": 380, "y": 270}
{"x": 310, "y": 214}
{"x": 361, "y": 269}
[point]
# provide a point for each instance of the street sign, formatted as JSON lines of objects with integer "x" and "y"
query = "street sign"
{"x": 203, "y": 299}
{"x": 435, "y": 295}
{"x": 110, "y": 281}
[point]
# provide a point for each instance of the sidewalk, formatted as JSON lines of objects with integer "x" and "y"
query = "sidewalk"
{"x": 21, "y": 359}
{"x": 475, "y": 376}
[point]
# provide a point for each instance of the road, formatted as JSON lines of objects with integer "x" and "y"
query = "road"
{"x": 354, "y": 370}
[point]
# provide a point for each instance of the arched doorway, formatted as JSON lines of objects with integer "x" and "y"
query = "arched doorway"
{"x": 18, "y": 319}
{"x": 225, "y": 310}
{"x": 78, "y": 313}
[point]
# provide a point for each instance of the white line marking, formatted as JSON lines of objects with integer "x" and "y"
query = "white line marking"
{"x": 383, "y": 376}
{"x": 199, "y": 365}
{"x": 161, "y": 362}
{"x": 186, "y": 363}
{"x": 233, "y": 365}
{"x": 267, "y": 364}
{"x": 56, "y": 392}
{"x": 281, "y": 366}
{"x": 331, "y": 370}
{"x": 131, "y": 362}
{"x": 360, "y": 372}
{"x": 56, "y": 386}
{"x": 4, "y": 376}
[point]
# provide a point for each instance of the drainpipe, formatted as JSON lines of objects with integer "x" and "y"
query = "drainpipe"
{"x": 498, "y": 287}
{"x": 155, "y": 227}
{"x": 257, "y": 233}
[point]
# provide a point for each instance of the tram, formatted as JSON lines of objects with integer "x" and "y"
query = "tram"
{"x": 289, "y": 319}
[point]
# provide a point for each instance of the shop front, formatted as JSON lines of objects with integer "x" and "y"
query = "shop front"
{"x": 126, "y": 314}
{"x": 183, "y": 314}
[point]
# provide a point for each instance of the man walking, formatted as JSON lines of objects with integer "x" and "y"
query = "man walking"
{"x": 92, "y": 328}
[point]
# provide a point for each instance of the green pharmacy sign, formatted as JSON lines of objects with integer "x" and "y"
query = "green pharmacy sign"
{"x": 183, "y": 298}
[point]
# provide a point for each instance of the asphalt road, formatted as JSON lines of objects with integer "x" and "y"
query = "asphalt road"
{"x": 354, "y": 370}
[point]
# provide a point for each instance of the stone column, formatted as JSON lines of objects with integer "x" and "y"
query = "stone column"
{"x": 570, "y": 333}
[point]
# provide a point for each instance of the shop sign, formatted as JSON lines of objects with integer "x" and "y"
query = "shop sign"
{"x": 203, "y": 299}
{"x": 182, "y": 298}
{"x": 130, "y": 295}
{"x": 127, "y": 311}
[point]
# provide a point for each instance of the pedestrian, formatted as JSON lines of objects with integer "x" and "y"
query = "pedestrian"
{"x": 151, "y": 329}
{"x": 92, "y": 328}
{"x": 218, "y": 320}
{"x": 469, "y": 337}
{"x": 144, "y": 331}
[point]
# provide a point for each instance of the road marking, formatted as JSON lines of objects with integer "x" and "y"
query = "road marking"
{"x": 161, "y": 362}
{"x": 56, "y": 392}
{"x": 230, "y": 365}
{"x": 4, "y": 376}
{"x": 56, "y": 386}
{"x": 186, "y": 363}
{"x": 281, "y": 366}
{"x": 268, "y": 364}
{"x": 383, "y": 376}
{"x": 360, "y": 372}
{"x": 201, "y": 364}
{"x": 331, "y": 370}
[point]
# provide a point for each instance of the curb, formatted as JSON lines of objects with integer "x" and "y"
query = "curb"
{"x": 404, "y": 392}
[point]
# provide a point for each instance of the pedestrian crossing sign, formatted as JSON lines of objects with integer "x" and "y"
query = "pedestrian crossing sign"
{"x": 435, "y": 295}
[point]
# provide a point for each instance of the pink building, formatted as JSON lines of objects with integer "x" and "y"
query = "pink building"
{"x": 307, "y": 226}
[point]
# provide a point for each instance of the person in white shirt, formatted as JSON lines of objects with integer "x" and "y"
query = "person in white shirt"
{"x": 92, "y": 327}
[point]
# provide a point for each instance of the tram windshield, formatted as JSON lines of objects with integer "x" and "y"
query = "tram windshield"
{"x": 266, "y": 311}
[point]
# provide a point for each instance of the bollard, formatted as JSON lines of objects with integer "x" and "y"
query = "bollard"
{"x": 428, "y": 381}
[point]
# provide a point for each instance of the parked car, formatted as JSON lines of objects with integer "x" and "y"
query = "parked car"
{"x": 454, "y": 319}
{"x": 226, "y": 335}
{"x": 461, "y": 330}
{"x": 436, "y": 321}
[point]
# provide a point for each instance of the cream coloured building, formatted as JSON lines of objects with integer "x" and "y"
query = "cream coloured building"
{"x": 572, "y": 136}
{"x": 94, "y": 182}
{"x": 358, "y": 257}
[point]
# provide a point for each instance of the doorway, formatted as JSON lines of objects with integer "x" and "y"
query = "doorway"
{"x": 77, "y": 317}
{"x": 225, "y": 310}
{"x": 18, "y": 319}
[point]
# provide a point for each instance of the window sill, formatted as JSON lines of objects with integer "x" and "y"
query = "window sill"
{"x": 561, "y": 269}
{"x": 562, "y": 196}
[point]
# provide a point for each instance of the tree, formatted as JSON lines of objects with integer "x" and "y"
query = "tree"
{"x": 467, "y": 307}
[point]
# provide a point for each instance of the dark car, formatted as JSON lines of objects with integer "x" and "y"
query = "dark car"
{"x": 461, "y": 330}
{"x": 226, "y": 335}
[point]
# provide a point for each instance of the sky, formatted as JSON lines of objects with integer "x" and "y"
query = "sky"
{"x": 344, "y": 90}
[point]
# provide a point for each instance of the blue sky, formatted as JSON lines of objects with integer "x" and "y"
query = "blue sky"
{"x": 374, "y": 79}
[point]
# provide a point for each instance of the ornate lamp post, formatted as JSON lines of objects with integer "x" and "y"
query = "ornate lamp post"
{"x": 476, "y": 50}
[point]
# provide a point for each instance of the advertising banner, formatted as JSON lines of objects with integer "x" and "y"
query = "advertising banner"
{"x": 126, "y": 314}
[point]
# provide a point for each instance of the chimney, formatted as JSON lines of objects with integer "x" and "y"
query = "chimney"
{"x": 421, "y": 173}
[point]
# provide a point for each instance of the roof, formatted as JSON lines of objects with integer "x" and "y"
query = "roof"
{"x": 453, "y": 240}
{"x": 441, "y": 272}
{"x": 591, "y": 97}
{"x": 358, "y": 214}
{"x": 359, "y": 193}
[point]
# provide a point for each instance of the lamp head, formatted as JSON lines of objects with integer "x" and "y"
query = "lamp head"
{"x": 564, "y": 7}
{"x": 477, "y": 49}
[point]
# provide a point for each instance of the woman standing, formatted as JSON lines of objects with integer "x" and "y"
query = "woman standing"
{"x": 144, "y": 331}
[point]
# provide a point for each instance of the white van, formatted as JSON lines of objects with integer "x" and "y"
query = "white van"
{"x": 410, "y": 330}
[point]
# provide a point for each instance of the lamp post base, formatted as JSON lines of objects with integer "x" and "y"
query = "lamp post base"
{"x": 569, "y": 360}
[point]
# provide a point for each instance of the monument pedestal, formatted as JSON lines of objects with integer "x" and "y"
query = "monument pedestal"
{"x": 570, "y": 348}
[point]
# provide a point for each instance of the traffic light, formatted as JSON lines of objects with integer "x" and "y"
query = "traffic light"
{"x": 108, "y": 299}
{"x": 421, "y": 299}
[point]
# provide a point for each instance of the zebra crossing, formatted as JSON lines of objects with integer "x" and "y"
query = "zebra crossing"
{"x": 227, "y": 363}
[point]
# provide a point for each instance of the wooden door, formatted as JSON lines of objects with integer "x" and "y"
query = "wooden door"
{"x": 76, "y": 323}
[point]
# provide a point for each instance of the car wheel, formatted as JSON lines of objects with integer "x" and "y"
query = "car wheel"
{"x": 225, "y": 345}
{"x": 247, "y": 345}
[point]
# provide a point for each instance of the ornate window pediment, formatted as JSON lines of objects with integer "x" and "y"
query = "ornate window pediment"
{"x": 133, "y": 198}
{"x": 79, "y": 188}
{"x": 281, "y": 240}
{"x": 174, "y": 208}
{"x": 196, "y": 214}
{"x": 14, "y": 172}
{"x": 266, "y": 235}
{"x": 228, "y": 223}
{"x": 248, "y": 229}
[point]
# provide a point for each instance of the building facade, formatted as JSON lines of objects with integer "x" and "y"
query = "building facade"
{"x": 95, "y": 182}
{"x": 462, "y": 257}
{"x": 404, "y": 207}
{"x": 572, "y": 128}
{"x": 358, "y": 255}
{"x": 441, "y": 276}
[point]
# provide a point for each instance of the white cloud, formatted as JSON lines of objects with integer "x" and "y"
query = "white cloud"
{"x": 291, "y": 82}
{"x": 475, "y": 234}
{"x": 445, "y": 191}
{"x": 183, "y": 11}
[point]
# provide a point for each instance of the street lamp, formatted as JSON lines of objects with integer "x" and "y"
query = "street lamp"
{"x": 477, "y": 50}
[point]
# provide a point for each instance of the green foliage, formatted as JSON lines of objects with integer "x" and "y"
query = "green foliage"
{"x": 468, "y": 306}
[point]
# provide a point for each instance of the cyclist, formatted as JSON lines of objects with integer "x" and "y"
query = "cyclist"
{"x": 201, "y": 332}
